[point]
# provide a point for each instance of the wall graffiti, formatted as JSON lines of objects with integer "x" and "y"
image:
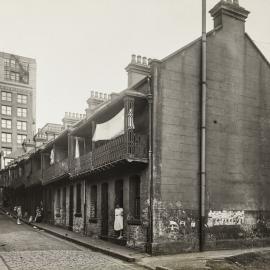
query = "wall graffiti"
{"x": 218, "y": 218}
{"x": 237, "y": 224}
{"x": 174, "y": 223}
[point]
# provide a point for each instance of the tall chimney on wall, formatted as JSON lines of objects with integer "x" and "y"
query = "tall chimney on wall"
{"x": 230, "y": 15}
{"x": 137, "y": 69}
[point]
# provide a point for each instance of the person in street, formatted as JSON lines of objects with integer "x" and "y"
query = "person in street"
{"x": 19, "y": 214}
{"x": 38, "y": 216}
{"x": 118, "y": 220}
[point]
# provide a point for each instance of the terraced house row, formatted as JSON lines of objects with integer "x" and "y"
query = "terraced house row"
{"x": 145, "y": 149}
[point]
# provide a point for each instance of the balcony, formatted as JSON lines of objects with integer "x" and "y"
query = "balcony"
{"x": 127, "y": 147}
{"x": 34, "y": 178}
{"x": 81, "y": 164}
{"x": 55, "y": 171}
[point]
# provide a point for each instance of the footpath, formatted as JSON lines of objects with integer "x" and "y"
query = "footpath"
{"x": 187, "y": 261}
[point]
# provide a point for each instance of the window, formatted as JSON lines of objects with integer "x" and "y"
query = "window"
{"x": 21, "y": 112}
{"x": 6, "y": 110}
{"x": 6, "y": 62}
{"x": 22, "y": 99}
{"x": 25, "y": 66}
{"x": 12, "y": 63}
{"x": 6, "y": 96}
{"x": 12, "y": 76}
{"x": 93, "y": 202}
{"x": 134, "y": 195}
{"x": 21, "y": 138}
{"x": 6, "y": 137}
{"x": 21, "y": 125}
{"x": 6, "y": 151}
{"x": 5, "y": 123}
{"x": 78, "y": 200}
{"x": 7, "y": 75}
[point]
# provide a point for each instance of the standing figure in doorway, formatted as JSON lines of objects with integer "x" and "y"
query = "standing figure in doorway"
{"x": 118, "y": 220}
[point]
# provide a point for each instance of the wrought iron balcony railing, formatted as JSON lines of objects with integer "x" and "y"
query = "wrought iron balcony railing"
{"x": 81, "y": 164}
{"x": 128, "y": 146}
{"x": 55, "y": 171}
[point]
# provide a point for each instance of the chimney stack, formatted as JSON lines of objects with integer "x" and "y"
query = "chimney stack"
{"x": 95, "y": 100}
{"x": 138, "y": 68}
{"x": 229, "y": 14}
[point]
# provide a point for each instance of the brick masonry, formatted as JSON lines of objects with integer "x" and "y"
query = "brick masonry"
{"x": 238, "y": 78}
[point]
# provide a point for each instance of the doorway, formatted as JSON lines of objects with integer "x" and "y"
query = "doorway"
{"x": 71, "y": 208}
{"x": 119, "y": 193}
{"x": 104, "y": 209}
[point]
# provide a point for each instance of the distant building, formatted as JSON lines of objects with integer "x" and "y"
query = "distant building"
{"x": 18, "y": 102}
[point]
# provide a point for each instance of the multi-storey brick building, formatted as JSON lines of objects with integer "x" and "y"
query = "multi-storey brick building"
{"x": 141, "y": 149}
{"x": 18, "y": 101}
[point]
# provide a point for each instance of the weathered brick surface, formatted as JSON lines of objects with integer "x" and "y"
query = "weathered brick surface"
{"x": 238, "y": 80}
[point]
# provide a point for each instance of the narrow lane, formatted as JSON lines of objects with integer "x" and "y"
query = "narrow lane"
{"x": 23, "y": 247}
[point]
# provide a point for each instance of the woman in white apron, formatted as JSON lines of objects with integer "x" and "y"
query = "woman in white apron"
{"x": 118, "y": 220}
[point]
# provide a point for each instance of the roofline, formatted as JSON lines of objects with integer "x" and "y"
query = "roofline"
{"x": 110, "y": 104}
{"x": 58, "y": 137}
{"x": 257, "y": 48}
{"x": 190, "y": 44}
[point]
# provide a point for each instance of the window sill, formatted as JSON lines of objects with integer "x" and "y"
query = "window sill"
{"x": 78, "y": 215}
{"x": 134, "y": 222}
{"x": 93, "y": 220}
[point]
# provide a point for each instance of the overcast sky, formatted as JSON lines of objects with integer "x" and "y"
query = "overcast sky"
{"x": 84, "y": 45}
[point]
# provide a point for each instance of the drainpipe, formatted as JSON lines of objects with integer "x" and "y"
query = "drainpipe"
{"x": 150, "y": 155}
{"x": 203, "y": 131}
{"x": 84, "y": 208}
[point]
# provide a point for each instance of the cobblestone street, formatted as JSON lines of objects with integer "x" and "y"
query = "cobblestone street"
{"x": 23, "y": 247}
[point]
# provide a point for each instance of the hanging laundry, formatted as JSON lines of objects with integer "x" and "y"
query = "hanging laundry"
{"x": 52, "y": 157}
{"x": 110, "y": 129}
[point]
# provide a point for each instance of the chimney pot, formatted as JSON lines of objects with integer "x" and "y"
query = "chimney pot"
{"x": 144, "y": 61}
{"x": 236, "y": 2}
{"x": 139, "y": 59}
{"x": 133, "y": 59}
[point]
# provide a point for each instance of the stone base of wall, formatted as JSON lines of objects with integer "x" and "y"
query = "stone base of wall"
{"x": 165, "y": 248}
{"x": 237, "y": 243}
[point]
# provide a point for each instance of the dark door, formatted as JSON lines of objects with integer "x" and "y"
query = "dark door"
{"x": 104, "y": 209}
{"x": 71, "y": 206}
{"x": 64, "y": 206}
{"x": 119, "y": 193}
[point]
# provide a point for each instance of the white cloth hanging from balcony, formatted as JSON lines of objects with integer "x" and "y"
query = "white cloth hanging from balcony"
{"x": 77, "y": 148}
{"x": 52, "y": 157}
{"x": 110, "y": 129}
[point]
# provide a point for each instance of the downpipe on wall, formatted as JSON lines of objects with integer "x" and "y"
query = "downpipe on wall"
{"x": 203, "y": 131}
{"x": 150, "y": 155}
